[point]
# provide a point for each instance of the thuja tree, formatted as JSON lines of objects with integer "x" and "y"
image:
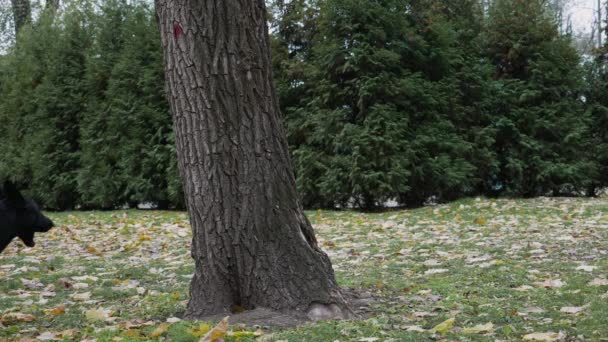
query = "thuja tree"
{"x": 541, "y": 129}
{"x": 42, "y": 97}
{"x": 376, "y": 121}
{"x": 252, "y": 245}
{"x": 596, "y": 85}
{"x": 100, "y": 180}
{"x": 140, "y": 113}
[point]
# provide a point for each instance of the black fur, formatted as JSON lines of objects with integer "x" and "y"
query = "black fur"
{"x": 20, "y": 217}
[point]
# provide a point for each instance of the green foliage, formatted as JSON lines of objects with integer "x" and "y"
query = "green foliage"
{"x": 87, "y": 121}
{"x": 375, "y": 122}
{"x": 408, "y": 100}
{"x": 596, "y": 103}
{"x": 43, "y": 99}
{"x": 541, "y": 128}
{"x": 404, "y": 100}
{"x": 128, "y": 153}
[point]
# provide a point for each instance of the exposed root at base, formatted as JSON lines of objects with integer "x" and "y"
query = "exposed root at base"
{"x": 360, "y": 303}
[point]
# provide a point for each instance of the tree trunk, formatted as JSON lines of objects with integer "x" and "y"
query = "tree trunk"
{"x": 252, "y": 244}
{"x": 52, "y": 6}
{"x": 22, "y": 14}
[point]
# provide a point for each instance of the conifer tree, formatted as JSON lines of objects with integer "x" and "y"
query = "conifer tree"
{"x": 376, "y": 124}
{"x": 101, "y": 182}
{"x": 537, "y": 114}
{"x": 136, "y": 104}
{"x": 43, "y": 102}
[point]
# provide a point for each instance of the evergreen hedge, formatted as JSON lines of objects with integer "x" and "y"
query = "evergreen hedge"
{"x": 401, "y": 100}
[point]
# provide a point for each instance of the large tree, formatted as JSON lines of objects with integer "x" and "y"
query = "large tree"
{"x": 252, "y": 243}
{"x": 541, "y": 130}
{"x": 22, "y": 13}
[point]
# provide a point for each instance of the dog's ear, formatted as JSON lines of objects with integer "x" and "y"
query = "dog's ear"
{"x": 13, "y": 196}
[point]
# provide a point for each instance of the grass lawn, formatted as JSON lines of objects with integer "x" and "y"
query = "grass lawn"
{"x": 473, "y": 270}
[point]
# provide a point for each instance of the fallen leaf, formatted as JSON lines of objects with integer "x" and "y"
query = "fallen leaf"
{"x": 480, "y": 220}
{"x": 81, "y": 297}
{"x": 16, "y": 317}
{"x": 479, "y": 329}
{"x": 199, "y": 331}
{"x": 49, "y": 336}
{"x": 160, "y": 330}
{"x": 544, "y": 337}
{"x": 443, "y": 327}
{"x": 97, "y": 315}
{"x": 586, "y": 268}
{"x": 216, "y": 334}
{"x": 599, "y": 282}
{"x": 526, "y": 311}
{"x": 436, "y": 271}
{"x": 550, "y": 283}
{"x": 523, "y": 288}
{"x": 573, "y": 310}
{"x": 60, "y": 310}
{"x": 415, "y": 328}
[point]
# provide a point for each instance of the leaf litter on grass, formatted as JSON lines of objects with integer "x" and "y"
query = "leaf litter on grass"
{"x": 492, "y": 269}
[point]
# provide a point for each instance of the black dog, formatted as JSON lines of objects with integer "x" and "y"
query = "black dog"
{"x": 20, "y": 217}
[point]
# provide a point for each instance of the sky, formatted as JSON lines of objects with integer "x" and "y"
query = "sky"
{"x": 583, "y": 13}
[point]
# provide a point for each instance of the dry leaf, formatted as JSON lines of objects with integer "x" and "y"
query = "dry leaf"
{"x": 480, "y": 220}
{"x": 526, "y": 311}
{"x": 15, "y": 317}
{"x": 49, "y": 336}
{"x": 60, "y": 310}
{"x": 573, "y": 310}
{"x": 96, "y": 315}
{"x": 443, "y": 327}
{"x": 216, "y": 334}
{"x": 599, "y": 282}
{"x": 160, "y": 330}
{"x": 81, "y": 297}
{"x": 479, "y": 329}
{"x": 199, "y": 331}
{"x": 586, "y": 268}
{"x": 544, "y": 337}
{"x": 550, "y": 283}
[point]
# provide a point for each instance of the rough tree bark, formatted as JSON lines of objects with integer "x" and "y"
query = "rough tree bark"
{"x": 22, "y": 14}
{"x": 252, "y": 244}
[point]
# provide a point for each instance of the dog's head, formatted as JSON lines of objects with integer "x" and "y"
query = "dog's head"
{"x": 28, "y": 219}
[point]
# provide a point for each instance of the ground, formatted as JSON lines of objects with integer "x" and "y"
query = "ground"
{"x": 473, "y": 270}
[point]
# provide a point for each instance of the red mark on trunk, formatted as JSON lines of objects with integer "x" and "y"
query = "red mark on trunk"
{"x": 177, "y": 30}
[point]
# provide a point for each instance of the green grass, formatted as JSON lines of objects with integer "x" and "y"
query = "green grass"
{"x": 478, "y": 261}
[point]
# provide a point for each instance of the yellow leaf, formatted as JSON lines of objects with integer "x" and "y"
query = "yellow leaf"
{"x": 479, "y": 329}
{"x": 545, "y": 337}
{"x": 160, "y": 330}
{"x": 215, "y": 334}
{"x": 144, "y": 237}
{"x": 242, "y": 334}
{"x": 199, "y": 331}
{"x": 480, "y": 220}
{"x": 132, "y": 333}
{"x": 92, "y": 250}
{"x": 443, "y": 327}
{"x": 60, "y": 310}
